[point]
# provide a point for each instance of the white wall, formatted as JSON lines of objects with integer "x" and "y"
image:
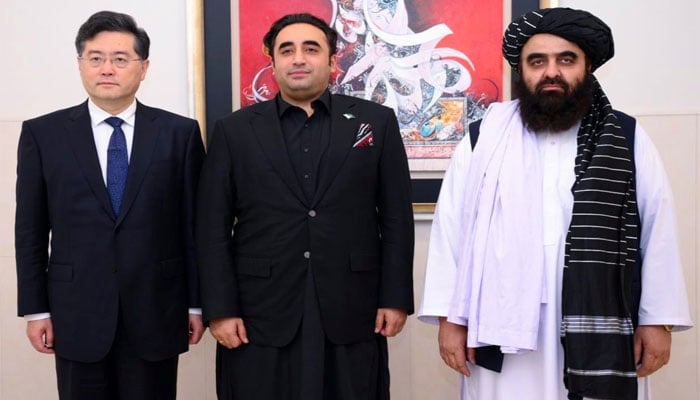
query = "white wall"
{"x": 655, "y": 76}
{"x": 40, "y": 71}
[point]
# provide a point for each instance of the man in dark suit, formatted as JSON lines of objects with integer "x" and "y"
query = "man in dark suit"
{"x": 111, "y": 183}
{"x": 305, "y": 233}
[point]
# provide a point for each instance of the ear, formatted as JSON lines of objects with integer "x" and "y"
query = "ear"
{"x": 266, "y": 51}
{"x": 333, "y": 63}
{"x": 144, "y": 68}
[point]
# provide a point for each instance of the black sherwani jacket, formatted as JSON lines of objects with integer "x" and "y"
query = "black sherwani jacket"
{"x": 257, "y": 233}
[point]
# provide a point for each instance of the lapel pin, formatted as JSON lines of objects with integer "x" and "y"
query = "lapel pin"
{"x": 348, "y": 116}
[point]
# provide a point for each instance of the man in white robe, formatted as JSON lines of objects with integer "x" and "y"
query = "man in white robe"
{"x": 556, "y": 83}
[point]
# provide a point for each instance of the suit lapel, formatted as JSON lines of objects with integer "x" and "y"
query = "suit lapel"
{"x": 266, "y": 128}
{"x": 146, "y": 132}
{"x": 344, "y": 125}
{"x": 82, "y": 141}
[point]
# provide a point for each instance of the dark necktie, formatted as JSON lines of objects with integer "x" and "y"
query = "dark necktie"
{"x": 117, "y": 163}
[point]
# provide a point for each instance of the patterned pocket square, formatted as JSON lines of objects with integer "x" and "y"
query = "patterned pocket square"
{"x": 364, "y": 136}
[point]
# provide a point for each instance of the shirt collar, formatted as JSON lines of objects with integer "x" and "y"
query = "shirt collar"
{"x": 323, "y": 101}
{"x": 98, "y": 115}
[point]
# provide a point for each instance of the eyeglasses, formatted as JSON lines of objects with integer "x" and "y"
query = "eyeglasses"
{"x": 97, "y": 61}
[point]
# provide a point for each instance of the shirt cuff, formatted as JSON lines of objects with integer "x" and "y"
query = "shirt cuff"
{"x": 36, "y": 317}
{"x": 457, "y": 320}
{"x": 196, "y": 311}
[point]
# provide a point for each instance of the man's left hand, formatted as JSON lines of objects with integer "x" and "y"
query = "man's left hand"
{"x": 389, "y": 321}
{"x": 652, "y": 348}
{"x": 196, "y": 328}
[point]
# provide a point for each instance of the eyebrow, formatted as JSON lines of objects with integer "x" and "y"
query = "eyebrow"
{"x": 113, "y": 53}
{"x": 306, "y": 43}
{"x": 566, "y": 53}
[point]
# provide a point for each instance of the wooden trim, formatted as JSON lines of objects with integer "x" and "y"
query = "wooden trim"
{"x": 195, "y": 39}
{"x": 425, "y": 208}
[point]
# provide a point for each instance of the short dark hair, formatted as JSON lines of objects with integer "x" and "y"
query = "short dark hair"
{"x": 304, "y": 18}
{"x": 109, "y": 21}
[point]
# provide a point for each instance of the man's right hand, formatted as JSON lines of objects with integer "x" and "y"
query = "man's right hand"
{"x": 40, "y": 334}
{"x": 229, "y": 332}
{"x": 452, "y": 339}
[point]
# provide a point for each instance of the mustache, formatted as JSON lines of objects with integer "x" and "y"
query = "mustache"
{"x": 552, "y": 81}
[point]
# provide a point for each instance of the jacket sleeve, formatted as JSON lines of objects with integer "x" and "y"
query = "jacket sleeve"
{"x": 194, "y": 156}
{"x": 31, "y": 227}
{"x": 214, "y": 224}
{"x": 396, "y": 228}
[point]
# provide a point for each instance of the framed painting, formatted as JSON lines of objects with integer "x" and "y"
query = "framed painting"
{"x": 438, "y": 64}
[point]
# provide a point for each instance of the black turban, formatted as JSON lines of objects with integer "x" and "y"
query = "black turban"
{"x": 591, "y": 34}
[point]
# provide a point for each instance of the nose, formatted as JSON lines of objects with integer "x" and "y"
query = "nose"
{"x": 299, "y": 57}
{"x": 552, "y": 70}
{"x": 107, "y": 68}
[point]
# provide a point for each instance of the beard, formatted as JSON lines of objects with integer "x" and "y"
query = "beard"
{"x": 554, "y": 111}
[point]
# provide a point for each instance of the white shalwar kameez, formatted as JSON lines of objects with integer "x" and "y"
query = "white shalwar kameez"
{"x": 538, "y": 375}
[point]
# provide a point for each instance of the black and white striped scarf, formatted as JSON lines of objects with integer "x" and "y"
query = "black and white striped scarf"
{"x": 601, "y": 270}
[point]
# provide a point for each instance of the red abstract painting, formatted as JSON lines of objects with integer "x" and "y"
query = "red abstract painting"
{"x": 436, "y": 63}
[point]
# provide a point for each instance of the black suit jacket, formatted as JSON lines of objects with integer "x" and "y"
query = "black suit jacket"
{"x": 257, "y": 234}
{"x": 139, "y": 264}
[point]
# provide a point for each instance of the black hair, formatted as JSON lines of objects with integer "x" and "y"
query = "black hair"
{"x": 109, "y": 21}
{"x": 304, "y": 18}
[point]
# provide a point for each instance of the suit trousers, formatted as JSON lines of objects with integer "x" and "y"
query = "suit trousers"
{"x": 121, "y": 375}
{"x": 309, "y": 368}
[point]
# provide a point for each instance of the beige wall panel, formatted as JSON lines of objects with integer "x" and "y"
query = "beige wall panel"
{"x": 401, "y": 363}
{"x": 24, "y": 372}
{"x": 196, "y": 378}
{"x": 430, "y": 377}
{"x": 9, "y": 134}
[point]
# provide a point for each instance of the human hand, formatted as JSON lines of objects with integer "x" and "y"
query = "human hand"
{"x": 389, "y": 321}
{"x": 229, "y": 332}
{"x": 196, "y": 328}
{"x": 40, "y": 334}
{"x": 452, "y": 339}
{"x": 652, "y": 348}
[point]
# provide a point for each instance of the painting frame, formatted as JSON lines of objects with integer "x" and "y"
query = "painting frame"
{"x": 215, "y": 71}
